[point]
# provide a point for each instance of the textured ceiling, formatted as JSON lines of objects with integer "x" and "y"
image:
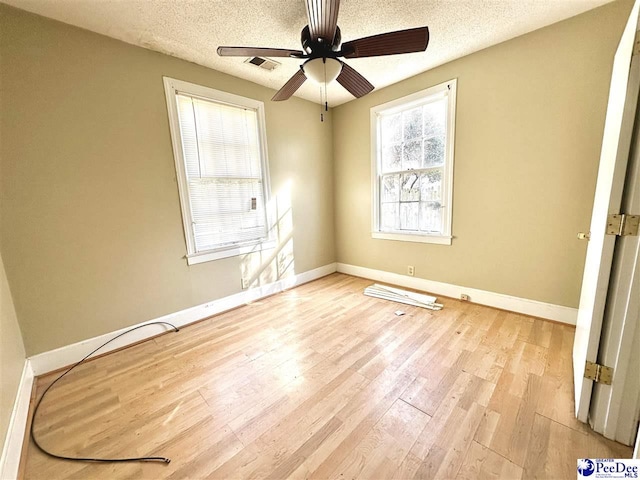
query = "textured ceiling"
{"x": 193, "y": 29}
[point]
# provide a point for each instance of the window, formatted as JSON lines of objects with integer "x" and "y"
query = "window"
{"x": 220, "y": 152}
{"x": 412, "y": 166}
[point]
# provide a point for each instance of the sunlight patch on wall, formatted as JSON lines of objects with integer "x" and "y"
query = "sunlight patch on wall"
{"x": 268, "y": 266}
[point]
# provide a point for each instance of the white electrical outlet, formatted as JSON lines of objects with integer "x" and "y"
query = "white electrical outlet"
{"x": 245, "y": 283}
{"x": 410, "y": 270}
{"x": 464, "y": 297}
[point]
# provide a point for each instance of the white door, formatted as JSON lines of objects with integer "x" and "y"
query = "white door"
{"x": 618, "y": 129}
{"x": 615, "y": 408}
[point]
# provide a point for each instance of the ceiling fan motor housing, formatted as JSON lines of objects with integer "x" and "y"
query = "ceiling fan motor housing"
{"x": 320, "y": 48}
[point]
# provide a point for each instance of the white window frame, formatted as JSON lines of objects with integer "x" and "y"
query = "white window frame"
{"x": 171, "y": 87}
{"x": 449, "y": 88}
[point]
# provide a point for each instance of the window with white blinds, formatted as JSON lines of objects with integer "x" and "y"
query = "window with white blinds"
{"x": 220, "y": 160}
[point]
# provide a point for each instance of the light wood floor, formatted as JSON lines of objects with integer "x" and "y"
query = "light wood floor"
{"x": 323, "y": 382}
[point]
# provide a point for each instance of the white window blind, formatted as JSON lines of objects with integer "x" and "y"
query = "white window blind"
{"x": 221, "y": 156}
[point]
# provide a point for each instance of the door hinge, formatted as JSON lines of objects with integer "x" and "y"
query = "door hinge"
{"x": 598, "y": 373}
{"x": 623, "y": 224}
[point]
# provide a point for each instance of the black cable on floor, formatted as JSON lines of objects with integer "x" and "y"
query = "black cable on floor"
{"x": 89, "y": 459}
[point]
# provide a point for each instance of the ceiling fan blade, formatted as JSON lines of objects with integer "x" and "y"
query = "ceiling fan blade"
{"x": 353, "y": 82}
{"x": 323, "y": 19}
{"x": 257, "y": 52}
{"x": 290, "y": 87}
{"x": 392, "y": 43}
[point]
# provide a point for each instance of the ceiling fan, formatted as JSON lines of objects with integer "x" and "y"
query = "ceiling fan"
{"x": 321, "y": 46}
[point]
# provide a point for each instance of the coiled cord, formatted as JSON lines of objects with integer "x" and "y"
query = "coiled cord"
{"x": 90, "y": 459}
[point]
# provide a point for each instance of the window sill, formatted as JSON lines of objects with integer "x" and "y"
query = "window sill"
{"x": 409, "y": 237}
{"x": 211, "y": 255}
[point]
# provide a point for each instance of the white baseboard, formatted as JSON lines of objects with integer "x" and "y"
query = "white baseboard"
{"x": 10, "y": 459}
{"x": 549, "y": 311}
{"x": 69, "y": 354}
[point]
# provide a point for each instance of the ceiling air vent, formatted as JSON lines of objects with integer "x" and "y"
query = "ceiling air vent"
{"x": 261, "y": 62}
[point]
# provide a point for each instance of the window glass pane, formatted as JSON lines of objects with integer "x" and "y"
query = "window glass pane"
{"x": 389, "y": 219}
{"x": 435, "y": 114}
{"x": 410, "y": 187}
{"x": 434, "y": 151}
{"x": 412, "y": 123}
{"x": 412, "y": 155}
{"x": 409, "y": 216}
{"x": 431, "y": 185}
{"x": 430, "y": 217}
{"x": 391, "y": 155}
{"x": 391, "y": 128}
{"x": 390, "y": 188}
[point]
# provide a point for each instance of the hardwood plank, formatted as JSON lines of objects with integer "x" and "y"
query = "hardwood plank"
{"x": 458, "y": 447}
{"x": 407, "y": 468}
{"x": 486, "y": 362}
{"x": 541, "y": 333}
{"x": 297, "y": 458}
{"x": 431, "y": 463}
{"x": 431, "y": 393}
{"x": 386, "y": 445}
{"x": 521, "y": 433}
{"x": 558, "y": 404}
{"x": 358, "y": 417}
{"x": 538, "y": 451}
{"x": 480, "y": 392}
{"x": 487, "y": 428}
{"x": 482, "y": 463}
{"x": 445, "y": 420}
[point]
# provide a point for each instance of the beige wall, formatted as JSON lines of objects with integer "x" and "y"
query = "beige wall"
{"x": 12, "y": 355}
{"x": 530, "y": 117}
{"x": 92, "y": 234}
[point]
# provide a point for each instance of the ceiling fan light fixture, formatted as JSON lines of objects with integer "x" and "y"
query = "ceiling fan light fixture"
{"x": 322, "y": 70}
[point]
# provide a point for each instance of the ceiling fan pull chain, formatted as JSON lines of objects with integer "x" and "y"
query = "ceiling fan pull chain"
{"x": 326, "y": 99}
{"x": 324, "y": 61}
{"x": 326, "y": 96}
